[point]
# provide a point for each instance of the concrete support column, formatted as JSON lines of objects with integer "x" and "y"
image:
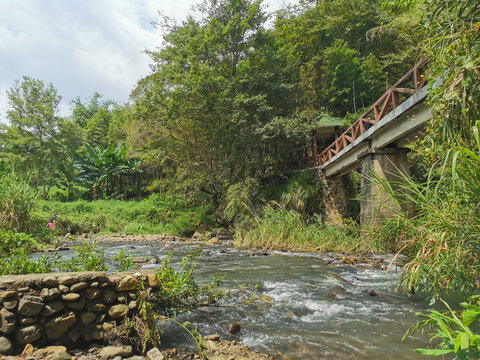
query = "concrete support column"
{"x": 386, "y": 164}
{"x": 334, "y": 198}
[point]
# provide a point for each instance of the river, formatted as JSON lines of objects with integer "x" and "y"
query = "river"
{"x": 317, "y": 311}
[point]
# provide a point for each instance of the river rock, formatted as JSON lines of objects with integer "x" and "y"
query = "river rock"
{"x": 49, "y": 281}
{"x": 30, "y": 305}
{"x": 50, "y": 294}
{"x": 109, "y": 352}
{"x": 10, "y": 305}
{"x": 8, "y": 321}
{"x": 71, "y": 297}
{"x": 77, "y": 305}
{"x": 213, "y": 337}
{"x": 168, "y": 247}
{"x": 197, "y": 235}
{"x": 118, "y": 311}
{"x": 59, "y": 355}
{"x": 370, "y": 292}
{"x": 96, "y": 307}
{"x": 93, "y": 294}
{"x": 58, "y": 326}
{"x": 127, "y": 283}
{"x": 155, "y": 354}
{"x": 8, "y": 294}
{"x": 64, "y": 288}
{"x": 28, "y": 334}
{"x": 68, "y": 279}
{"x": 52, "y": 308}
{"x": 109, "y": 296}
{"x": 88, "y": 317}
{"x": 78, "y": 286}
{"x": 153, "y": 281}
{"x": 213, "y": 241}
{"x": 234, "y": 328}
{"x": 5, "y": 345}
{"x": 292, "y": 314}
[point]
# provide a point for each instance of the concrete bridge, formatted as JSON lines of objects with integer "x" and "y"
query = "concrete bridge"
{"x": 375, "y": 144}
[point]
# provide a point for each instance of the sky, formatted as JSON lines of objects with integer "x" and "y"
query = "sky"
{"x": 83, "y": 46}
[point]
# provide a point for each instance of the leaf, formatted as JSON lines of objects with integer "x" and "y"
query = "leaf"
{"x": 434, "y": 352}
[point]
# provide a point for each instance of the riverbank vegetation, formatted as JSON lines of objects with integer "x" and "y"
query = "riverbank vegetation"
{"x": 214, "y": 135}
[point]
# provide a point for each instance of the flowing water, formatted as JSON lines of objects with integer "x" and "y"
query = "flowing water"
{"x": 316, "y": 311}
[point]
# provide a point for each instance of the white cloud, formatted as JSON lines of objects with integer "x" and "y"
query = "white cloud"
{"x": 82, "y": 46}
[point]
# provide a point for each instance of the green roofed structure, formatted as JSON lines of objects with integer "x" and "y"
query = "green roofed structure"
{"x": 327, "y": 126}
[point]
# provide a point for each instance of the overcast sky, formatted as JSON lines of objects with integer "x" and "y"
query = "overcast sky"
{"x": 83, "y": 46}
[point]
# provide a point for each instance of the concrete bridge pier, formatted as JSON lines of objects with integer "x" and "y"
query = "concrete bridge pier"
{"x": 382, "y": 165}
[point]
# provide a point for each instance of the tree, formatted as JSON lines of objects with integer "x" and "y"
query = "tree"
{"x": 33, "y": 108}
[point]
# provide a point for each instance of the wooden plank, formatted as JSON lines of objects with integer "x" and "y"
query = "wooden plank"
{"x": 362, "y": 127}
{"x": 395, "y": 99}
{"x": 385, "y": 106}
{"x": 405, "y": 90}
{"x": 377, "y": 113}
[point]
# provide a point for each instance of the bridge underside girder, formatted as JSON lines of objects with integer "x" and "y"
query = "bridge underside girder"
{"x": 395, "y": 130}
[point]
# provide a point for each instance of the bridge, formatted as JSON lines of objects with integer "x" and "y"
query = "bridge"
{"x": 375, "y": 144}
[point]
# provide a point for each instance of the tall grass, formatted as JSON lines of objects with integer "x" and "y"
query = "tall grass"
{"x": 280, "y": 228}
{"x": 157, "y": 214}
{"x": 16, "y": 201}
{"x": 442, "y": 239}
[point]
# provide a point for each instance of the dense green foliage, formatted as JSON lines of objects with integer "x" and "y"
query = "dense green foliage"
{"x": 157, "y": 214}
{"x": 280, "y": 228}
{"x": 17, "y": 198}
{"x": 456, "y": 332}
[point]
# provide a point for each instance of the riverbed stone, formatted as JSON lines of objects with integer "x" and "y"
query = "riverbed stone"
{"x": 77, "y": 305}
{"x": 30, "y": 305}
{"x": 52, "y": 308}
{"x": 59, "y": 355}
{"x": 71, "y": 297}
{"x": 213, "y": 241}
{"x": 10, "y": 305}
{"x": 5, "y": 345}
{"x": 49, "y": 281}
{"x": 28, "y": 320}
{"x": 118, "y": 311}
{"x": 109, "y": 296}
{"x": 63, "y": 288}
{"x": 155, "y": 354}
{"x": 96, "y": 307}
{"x": 93, "y": 294}
{"x": 88, "y": 317}
{"x": 28, "y": 334}
{"x": 109, "y": 352}
{"x": 127, "y": 283}
{"x": 8, "y": 321}
{"x": 68, "y": 279}
{"x": 78, "y": 286}
{"x": 50, "y": 294}
{"x": 59, "y": 326}
{"x": 153, "y": 281}
{"x": 8, "y": 294}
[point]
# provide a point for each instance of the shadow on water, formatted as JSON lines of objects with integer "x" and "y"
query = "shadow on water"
{"x": 310, "y": 310}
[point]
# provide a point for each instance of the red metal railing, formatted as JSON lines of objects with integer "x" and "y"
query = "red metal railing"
{"x": 390, "y": 99}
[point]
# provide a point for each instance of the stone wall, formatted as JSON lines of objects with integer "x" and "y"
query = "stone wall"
{"x": 334, "y": 198}
{"x": 65, "y": 308}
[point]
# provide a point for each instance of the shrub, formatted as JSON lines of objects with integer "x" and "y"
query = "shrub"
{"x": 16, "y": 198}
